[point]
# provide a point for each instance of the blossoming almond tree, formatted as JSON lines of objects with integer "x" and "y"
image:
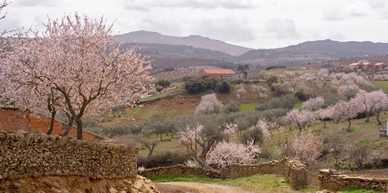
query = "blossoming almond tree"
{"x": 307, "y": 147}
{"x": 347, "y": 111}
{"x": 300, "y": 118}
{"x": 209, "y": 104}
{"x": 225, "y": 154}
{"x": 78, "y": 58}
{"x": 198, "y": 135}
{"x": 380, "y": 99}
{"x": 314, "y": 104}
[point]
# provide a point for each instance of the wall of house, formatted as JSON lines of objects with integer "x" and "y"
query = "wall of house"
{"x": 14, "y": 119}
{"x": 253, "y": 74}
{"x": 294, "y": 170}
{"x": 32, "y": 154}
{"x": 331, "y": 180}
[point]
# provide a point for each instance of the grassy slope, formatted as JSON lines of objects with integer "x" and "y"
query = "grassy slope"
{"x": 264, "y": 183}
{"x": 381, "y": 84}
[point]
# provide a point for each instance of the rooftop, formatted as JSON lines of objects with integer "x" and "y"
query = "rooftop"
{"x": 220, "y": 71}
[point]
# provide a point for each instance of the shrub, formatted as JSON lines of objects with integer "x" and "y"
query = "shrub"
{"x": 163, "y": 159}
{"x": 262, "y": 107}
{"x": 254, "y": 134}
{"x": 194, "y": 86}
{"x": 224, "y": 87}
{"x": 163, "y": 83}
{"x": 233, "y": 106}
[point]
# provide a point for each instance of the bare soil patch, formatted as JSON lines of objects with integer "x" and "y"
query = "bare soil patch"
{"x": 193, "y": 187}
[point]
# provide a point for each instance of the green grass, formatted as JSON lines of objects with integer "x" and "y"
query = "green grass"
{"x": 248, "y": 106}
{"x": 264, "y": 183}
{"x": 298, "y": 105}
{"x": 381, "y": 84}
{"x": 358, "y": 190}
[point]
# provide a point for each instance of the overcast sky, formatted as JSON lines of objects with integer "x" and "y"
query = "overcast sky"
{"x": 249, "y": 23}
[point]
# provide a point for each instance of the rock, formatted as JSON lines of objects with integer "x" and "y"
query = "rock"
{"x": 112, "y": 190}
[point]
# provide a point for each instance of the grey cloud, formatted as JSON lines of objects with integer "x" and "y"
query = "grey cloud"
{"x": 160, "y": 25}
{"x": 33, "y": 3}
{"x": 192, "y": 4}
{"x": 377, "y": 4}
{"x": 332, "y": 15}
{"x": 337, "y": 36}
{"x": 136, "y": 8}
{"x": 283, "y": 29}
{"x": 357, "y": 9}
{"x": 229, "y": 28}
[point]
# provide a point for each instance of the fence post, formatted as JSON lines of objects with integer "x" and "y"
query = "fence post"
{"x": 225, "y": 173}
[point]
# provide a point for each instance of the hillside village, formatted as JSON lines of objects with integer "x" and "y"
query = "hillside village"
{"x": 82, "y": 113}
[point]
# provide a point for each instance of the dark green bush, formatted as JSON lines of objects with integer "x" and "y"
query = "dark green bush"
{"x": 224, "y": 87}
{"x": 163, "y": 159}
{"x": 163, "y": 83}
{"x": 253, "y": 133}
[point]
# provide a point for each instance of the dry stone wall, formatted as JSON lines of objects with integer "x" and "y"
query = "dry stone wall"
{"x": 331, "y": 180}
{"x": 179, "y": 170}
{"x": 294, "y": 170}
{"x": 32, "y": 154}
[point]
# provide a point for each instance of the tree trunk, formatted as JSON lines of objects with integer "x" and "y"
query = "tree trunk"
{"x": 349, "y": 120}
{"x": 69, "y": 126}
{"x": 203, "y": 160}
{"x": 299, "y": 127}
{"x": 78, "y": 121}
{"x": 324, "y": 123}
{"x": 52, "y": 122}
{"x": 378, "y": 116}
{"x": 367, "y": 117}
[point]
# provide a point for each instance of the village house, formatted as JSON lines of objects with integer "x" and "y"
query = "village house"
{"x": 365, "y": 65}
{"x": 218, "y": 73}
{"x": 376, "y": 63}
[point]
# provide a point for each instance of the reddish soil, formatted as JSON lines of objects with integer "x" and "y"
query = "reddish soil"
{"x": 178, "y": 103}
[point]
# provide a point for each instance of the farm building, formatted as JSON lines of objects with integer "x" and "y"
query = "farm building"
{"x": 366, "y": 64}
{"x": 252, "y": 74}
{"x": 217, "y": 73}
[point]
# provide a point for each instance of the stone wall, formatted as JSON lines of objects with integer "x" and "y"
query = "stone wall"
{"x": 15, "y": 119}
{"x": 331, "y": 180}
{"x": 32, "y": 154}
{"x": 294, "y": 170}
{"x": 178, "y": 170}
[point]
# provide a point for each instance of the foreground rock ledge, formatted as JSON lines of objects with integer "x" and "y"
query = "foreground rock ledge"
{"x": 77, "y": 184}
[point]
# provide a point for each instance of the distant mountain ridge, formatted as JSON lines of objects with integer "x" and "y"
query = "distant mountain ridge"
{"x": 312, "y": 52}
{"x": 171, "y": 52}
{"x": 193, "y": 40}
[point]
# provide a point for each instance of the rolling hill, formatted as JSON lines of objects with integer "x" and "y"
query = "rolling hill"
{"x": 312, "y": 52}
{"x": 193, "y": 40}
{"x": 191, "y": 51}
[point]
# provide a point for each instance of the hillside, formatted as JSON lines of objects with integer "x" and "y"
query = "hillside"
{"x": 182, "y": 50}
{"x": 193, "y": 40}
{"x": 312, "y": 52}
{"x": 169, "y": 51}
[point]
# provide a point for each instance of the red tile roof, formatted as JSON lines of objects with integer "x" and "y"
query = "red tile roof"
{"x": 220, "y": 71}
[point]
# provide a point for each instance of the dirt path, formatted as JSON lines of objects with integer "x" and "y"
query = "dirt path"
{"x": 193, "y": 187}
